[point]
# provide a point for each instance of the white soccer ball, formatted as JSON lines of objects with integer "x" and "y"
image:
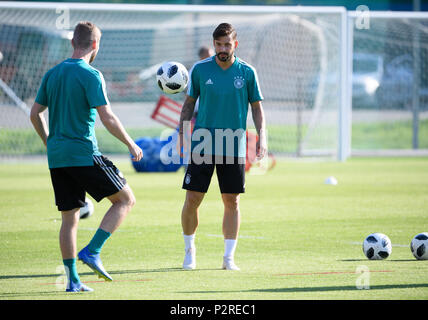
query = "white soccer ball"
{"x": 419, "y": 246}
{"x": 87, "y": 210}
{"x": 331, "y": 181}
{"x": 172, "y": 77}
{"x": 377, "y": 246}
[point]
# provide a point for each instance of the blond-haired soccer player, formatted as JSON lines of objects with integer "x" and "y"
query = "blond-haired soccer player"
{"x": 224, "y": 85}
{"x": 74, "y": 92}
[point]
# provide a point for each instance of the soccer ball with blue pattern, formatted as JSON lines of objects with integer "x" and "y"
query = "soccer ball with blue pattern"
{"x": 172, "y": 77}
{"x": 377, "y": 246}
{"x": 419, "y": 246}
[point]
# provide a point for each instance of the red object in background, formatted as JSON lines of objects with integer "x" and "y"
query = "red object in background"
{"x": 167, "y": 111}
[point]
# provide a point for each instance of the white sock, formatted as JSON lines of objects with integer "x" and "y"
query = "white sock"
{"x": 189, "y": 241}
{"x": 229, "y": 247}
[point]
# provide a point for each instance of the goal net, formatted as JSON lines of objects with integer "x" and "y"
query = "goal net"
{"x": 298, "y": 52}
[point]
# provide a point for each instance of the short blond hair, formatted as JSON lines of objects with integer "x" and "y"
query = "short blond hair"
{"x": 84, "y": 34}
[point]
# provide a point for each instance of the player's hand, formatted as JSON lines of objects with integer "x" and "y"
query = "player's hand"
{"x": 261, "y": 147}
{"x": 136, "y": 152}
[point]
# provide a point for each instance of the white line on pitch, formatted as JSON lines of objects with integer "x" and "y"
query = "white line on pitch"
{"x": 394, "y": 245}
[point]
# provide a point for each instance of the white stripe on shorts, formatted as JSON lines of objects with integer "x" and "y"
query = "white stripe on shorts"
{"x": 109, "y": 172}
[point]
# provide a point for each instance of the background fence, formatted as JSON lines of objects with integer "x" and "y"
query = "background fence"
{"x": 313, "y": 64}
{"x": 390, "y": 83}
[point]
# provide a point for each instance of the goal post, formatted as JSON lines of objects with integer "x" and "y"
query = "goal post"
{"x": 300, "y": 54}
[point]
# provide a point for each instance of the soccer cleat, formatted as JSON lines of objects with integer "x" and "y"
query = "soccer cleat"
{"x": 189, "y": 262}
{"x": 229, "y": 264}
{"x": 78, "y": 287}
{"x": 93, "y": 261}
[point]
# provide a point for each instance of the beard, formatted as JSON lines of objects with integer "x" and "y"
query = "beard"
{"x": 223, "y": 56}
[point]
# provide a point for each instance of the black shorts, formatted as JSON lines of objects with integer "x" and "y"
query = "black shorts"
{"x": 70, "y": 184}
{"x": 230, "y": 175}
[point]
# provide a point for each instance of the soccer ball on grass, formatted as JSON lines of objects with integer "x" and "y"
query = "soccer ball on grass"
{"x": 377, "y": 246}
{"x": 419, "y": 246}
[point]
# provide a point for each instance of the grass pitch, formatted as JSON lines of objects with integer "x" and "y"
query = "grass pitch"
{"x": 299, "y": 238}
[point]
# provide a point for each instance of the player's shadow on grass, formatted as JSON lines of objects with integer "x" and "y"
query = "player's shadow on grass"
{"x": 31, "y": 294}
{"x": 145, "y": 270}
{"x": 323, "y": 289}
{"x": 360, "y": 260}
{"x": 344, "y": 288}
{"x": 159, "y": 270}
{"x": 35, "y": 276}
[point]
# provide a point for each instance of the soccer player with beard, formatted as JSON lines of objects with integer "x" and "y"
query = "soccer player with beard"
{"x": 225, "y": 85}
{"x": 74, "y": 92}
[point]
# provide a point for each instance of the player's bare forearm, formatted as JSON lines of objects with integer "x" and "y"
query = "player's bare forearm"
{"x": 39, "y": 122}
{"x": 260, "y": 124}
{"x": 115, "y": 127}
{"x": 186, "y": 112}
{"x": 258, "y": 117}
{"x": 184, "y": 127}
{"x": 112, "y": 123}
